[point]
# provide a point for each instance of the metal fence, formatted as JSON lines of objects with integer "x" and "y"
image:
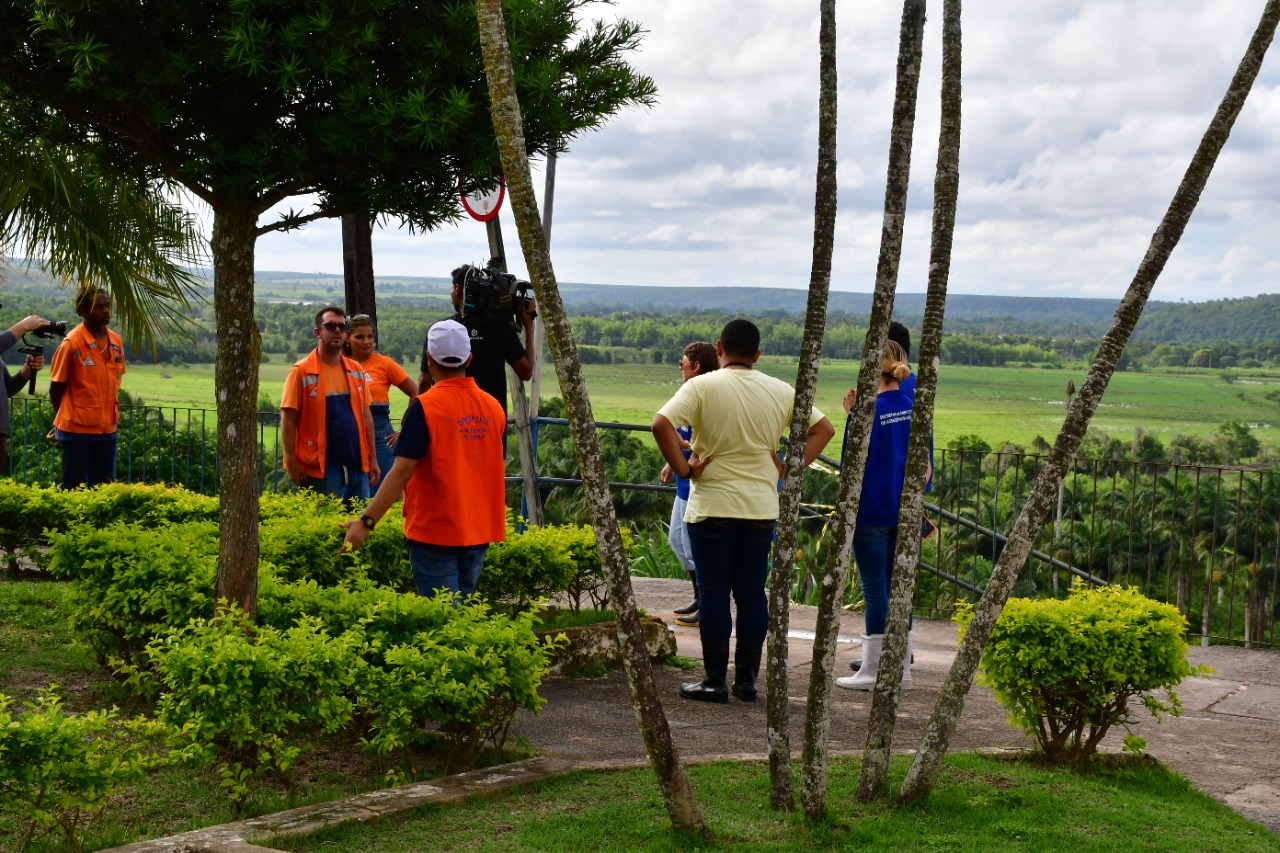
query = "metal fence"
{"x": 1204, "y": 538}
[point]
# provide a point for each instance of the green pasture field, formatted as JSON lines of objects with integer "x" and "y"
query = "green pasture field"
{"x": 998, "y": 403}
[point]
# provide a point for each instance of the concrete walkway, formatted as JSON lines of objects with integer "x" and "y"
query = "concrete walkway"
{"x": 1225, "y": 742}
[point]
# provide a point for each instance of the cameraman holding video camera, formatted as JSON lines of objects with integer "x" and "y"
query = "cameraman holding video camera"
{"x": 13, "y": 383}
{"x": 494, "y": 342}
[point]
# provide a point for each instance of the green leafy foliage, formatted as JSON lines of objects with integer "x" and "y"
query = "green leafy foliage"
{"x": 1068, "y": 670}
{"x": 237, "y": 695}
{"x": 542, "y": 562}
{"x": 385, "y": 666}
{"x": 58, "y": 770}
{"x": 136, "y": 582}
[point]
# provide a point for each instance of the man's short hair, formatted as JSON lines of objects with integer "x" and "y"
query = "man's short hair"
{"x": 900, "y": 335}
{"x": 328, "y": 309}
{"x": 460, "y": 274}
{"x": 740, "y": 337}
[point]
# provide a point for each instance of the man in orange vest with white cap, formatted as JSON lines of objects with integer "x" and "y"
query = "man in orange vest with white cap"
{"x": 449, "y": 465}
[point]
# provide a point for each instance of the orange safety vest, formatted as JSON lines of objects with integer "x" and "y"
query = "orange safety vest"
{"x": 309, "y": 439}
{"x": 457, "y": 494}
{"x": 89, "y": 402}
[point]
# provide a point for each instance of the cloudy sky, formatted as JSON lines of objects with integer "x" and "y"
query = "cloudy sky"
{"x": 1079, "y": 119}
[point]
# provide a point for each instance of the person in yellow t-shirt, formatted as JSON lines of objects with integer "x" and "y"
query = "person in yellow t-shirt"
{"x": 738, "y": 415}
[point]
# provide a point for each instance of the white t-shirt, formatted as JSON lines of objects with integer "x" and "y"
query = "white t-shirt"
{"x": 738, "y": 416}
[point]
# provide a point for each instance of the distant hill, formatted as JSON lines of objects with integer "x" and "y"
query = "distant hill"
{"x": 1243, "y": 321}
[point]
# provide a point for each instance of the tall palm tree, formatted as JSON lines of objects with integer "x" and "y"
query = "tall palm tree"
{"x": 946, "y": 712}
{"x": 677, "y": 792}
{"x": 784, "y": 552}
{"x": 817, "y": 722}
{"x": 873, "y": 777}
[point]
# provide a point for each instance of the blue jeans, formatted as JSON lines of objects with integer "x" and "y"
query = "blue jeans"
{"x": 452, "y": 567}
{"x": 341, "y": 481}
{"x": 89, "y": 462}
{"x": 678, "y": 535}
{"x": 873, "y": 548}
{"x": 381, "y": 432}
{"x": 732, "y": 557}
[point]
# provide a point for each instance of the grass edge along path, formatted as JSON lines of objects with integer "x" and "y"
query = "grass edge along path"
{"x": 984, "y": 802}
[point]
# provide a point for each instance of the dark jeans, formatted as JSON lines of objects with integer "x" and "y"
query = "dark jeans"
{"x": 382, "y": 430}
{"x": 732, "y": 556}
{"x": 341, "y": 481}
{"x": 873, "y": 548}
{"x": 89, "y": 462}
{"x": 452, "y": 567}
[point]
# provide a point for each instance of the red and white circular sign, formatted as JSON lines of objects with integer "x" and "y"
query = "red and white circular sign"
{"x": 485, "y": 206}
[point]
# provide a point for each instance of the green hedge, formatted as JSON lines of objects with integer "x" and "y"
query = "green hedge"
{"x": 58, "y": 770}
{"x": 299, "y": 536}
{"x": 1068, "y": 670}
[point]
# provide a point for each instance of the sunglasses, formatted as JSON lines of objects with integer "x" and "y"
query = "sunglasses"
{"x": 333, "y": 327}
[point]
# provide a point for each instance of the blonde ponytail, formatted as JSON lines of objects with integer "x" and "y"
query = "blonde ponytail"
{"x": 894, "y": 364}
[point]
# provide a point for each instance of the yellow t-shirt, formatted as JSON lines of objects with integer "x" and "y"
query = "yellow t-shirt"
{"x": 738, "y": 416}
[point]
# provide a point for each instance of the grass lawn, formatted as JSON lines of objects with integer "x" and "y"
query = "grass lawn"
{"x": 981, "y": 803}
{"x": 998, "y": 403}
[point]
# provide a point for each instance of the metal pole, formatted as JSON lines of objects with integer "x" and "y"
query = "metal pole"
{"x": 531, "y": 507}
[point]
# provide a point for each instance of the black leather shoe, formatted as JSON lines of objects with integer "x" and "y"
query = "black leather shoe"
{"x": 689, "y": 620}
{"x": 745, "y": 691}
{"x": 705, "y": 691}
{"x": 691, "y": 607}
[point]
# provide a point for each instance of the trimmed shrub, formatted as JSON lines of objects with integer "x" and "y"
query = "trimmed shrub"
{"x": 58, "y": 770}
{"x": 237, "y": 696}
{"x": 136, "y": 583}
{"x": 543, "y": 562}
{"x": 1068, "y": 670}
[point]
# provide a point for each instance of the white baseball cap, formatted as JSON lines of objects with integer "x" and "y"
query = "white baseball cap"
{"x": 449, "y": 343}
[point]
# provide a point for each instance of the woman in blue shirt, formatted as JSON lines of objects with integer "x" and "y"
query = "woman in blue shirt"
{"x": 875, "y": 537}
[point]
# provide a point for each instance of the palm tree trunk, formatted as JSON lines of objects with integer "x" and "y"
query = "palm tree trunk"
{"x": 784, "y": 552}
{"x": 817, "y": 729}
{"x": 678, "y": 794}
{"x": 873, "y": 778}
{"x": 236, "y": 377}
{"x": 946, "y": 713}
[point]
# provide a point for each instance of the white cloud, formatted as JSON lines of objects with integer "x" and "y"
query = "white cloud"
{"x": 1079, "y": 121}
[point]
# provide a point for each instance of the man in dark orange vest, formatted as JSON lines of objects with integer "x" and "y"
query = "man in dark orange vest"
{"x": 449, "y": 465}
{"x": 326, "y": 429}
{"x": 84, "y": 383}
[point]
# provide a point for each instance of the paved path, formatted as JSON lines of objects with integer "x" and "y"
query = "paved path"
{"x": 1225, "y": 743}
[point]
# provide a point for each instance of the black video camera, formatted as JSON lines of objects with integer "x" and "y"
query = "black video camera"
{"x": 491, "y": 294}
{"x": 58, "y": 327}
{"x": 54, "y": 329}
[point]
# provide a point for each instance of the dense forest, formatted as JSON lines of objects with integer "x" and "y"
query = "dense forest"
{"x": 652, "y": 324}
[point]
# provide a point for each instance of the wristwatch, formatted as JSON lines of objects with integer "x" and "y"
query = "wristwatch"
{"x": 367, "y": 521}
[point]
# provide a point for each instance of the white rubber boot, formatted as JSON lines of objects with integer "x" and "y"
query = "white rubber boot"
{"x": 865, "y": 678}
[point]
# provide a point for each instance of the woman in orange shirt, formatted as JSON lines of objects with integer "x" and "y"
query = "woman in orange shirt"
{"x": 383, "y": 373}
